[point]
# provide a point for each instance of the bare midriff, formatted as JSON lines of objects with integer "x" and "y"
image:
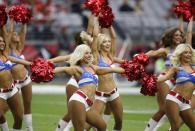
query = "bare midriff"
{"x": 19, "y": 72}
{"x": 5, "y": 79}
{"x": 185, "y": 90}
{"x": 106, "y": 83}
{"x": 89, "y": 90}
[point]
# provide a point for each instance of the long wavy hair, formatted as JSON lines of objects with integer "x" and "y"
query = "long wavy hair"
{"x": 167, "y": 37}
{"x": 100, "y": 39}
{"x": 175, "y": 58}
{"x": 78, "y": 54}
{"x": 83, "y": 38}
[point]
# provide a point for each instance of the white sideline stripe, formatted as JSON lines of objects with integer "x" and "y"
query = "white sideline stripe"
{"x": 47, "y": 115}
{"x": 60, "y": 89}
{"x": 139, "y": 111}
{"x": 125, "y": 111}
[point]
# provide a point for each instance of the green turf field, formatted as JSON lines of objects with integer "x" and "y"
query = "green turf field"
{"x": 48, "y": 109}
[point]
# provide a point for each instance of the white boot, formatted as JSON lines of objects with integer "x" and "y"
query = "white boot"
{"x": 160, "y": 123}
{"x": 69, "y": 126}
{"x": 61, "y": 125}
{"x": 28, "y": 122}
{"x": 151, "y": 125}
{"x": 16, "y": 129}
{"x": 4, "y": 126}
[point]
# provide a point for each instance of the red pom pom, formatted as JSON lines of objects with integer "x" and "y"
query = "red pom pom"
{"x": 133, "y": 71}
{"x": 3, "y": 15}
{"x": 41, "y": 70}
{"x": 100, "y": 8}
{"x": 106, "y": 17}
{"x": 95, "y": 5}
{"x": 20, "y": 14}
{"x": 184, "y": 9}
{"x": 141, "y": 59}
{"x": 149, "y": 85}
{"x": 92, "y": 5}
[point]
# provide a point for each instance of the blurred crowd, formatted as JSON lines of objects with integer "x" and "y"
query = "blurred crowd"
{"x": 53, "y": 26}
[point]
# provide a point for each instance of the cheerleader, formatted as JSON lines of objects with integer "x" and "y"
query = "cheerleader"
{"x": 8, "y": 91}
{"x": 72, "y": 85}
{"x": 79, "y": 103}
{"x": 177, "y": 102}
{"x": 170, "y": 40}
{"x": 103, "y": 49}
{"x": 19, "y": 72}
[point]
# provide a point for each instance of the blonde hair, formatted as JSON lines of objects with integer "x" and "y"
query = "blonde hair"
{"x": 86, "y": 38}
{"x": 175, "y": 58}
{"x": 100, "y": 39}
{"x": 78, "y": 54}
